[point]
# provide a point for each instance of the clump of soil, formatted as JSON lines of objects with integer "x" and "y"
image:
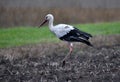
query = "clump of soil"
{"x": 42, "y": 63}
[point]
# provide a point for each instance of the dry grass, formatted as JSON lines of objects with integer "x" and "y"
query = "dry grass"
{"x": 33, "y": 16}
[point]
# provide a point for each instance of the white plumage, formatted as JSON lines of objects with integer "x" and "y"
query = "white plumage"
{"x": 61, "y": 29}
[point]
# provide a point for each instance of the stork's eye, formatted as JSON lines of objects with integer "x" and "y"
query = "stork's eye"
{"x": 46, "y": 17}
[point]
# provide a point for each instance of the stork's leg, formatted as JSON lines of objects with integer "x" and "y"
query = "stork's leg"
{"x": 70, "y": 51}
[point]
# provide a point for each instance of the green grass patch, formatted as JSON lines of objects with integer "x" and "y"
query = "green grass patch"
{"x": 101, "y": 28}
{"x": 18, "y": 36}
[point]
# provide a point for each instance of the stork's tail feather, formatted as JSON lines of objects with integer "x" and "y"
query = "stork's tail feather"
{"x": 90, "y": 44}
{"x": 87, "y": 42}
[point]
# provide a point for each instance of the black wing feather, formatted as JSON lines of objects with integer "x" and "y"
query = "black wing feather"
{"x": 82, "y": 34}
{"x": 76, "y": 35}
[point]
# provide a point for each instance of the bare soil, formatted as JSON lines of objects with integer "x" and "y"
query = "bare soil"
{"x": 42, "y": 62}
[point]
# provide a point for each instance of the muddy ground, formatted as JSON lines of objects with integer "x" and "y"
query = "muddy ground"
{"x": 42, "y": 62}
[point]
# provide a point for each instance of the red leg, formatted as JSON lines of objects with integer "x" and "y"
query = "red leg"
{"x": 70, "y": 51}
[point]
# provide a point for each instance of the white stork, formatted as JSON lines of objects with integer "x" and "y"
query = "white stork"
{"x": 67, "y": 33}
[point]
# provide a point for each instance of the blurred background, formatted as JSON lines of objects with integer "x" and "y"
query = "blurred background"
{"x": 30, "y": 54}
{"x": 32, "y": 12}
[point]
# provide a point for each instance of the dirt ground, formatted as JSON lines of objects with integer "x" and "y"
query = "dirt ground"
{"x": 42, "y": 62}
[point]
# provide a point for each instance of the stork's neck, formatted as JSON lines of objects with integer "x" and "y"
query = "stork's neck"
{"x": 51, "y": 23}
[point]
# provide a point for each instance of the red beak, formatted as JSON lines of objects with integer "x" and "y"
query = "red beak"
{"x": 43, "y": 23}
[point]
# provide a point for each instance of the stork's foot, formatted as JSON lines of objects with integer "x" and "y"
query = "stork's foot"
{"x": 64, "y": 60}
{"x": 63, "y": 63}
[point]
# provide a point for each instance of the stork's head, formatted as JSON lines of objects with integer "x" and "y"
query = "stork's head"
{"x": 48, "y": 17}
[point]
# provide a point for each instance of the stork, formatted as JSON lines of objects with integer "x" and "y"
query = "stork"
{"x": 67, "y": 33}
